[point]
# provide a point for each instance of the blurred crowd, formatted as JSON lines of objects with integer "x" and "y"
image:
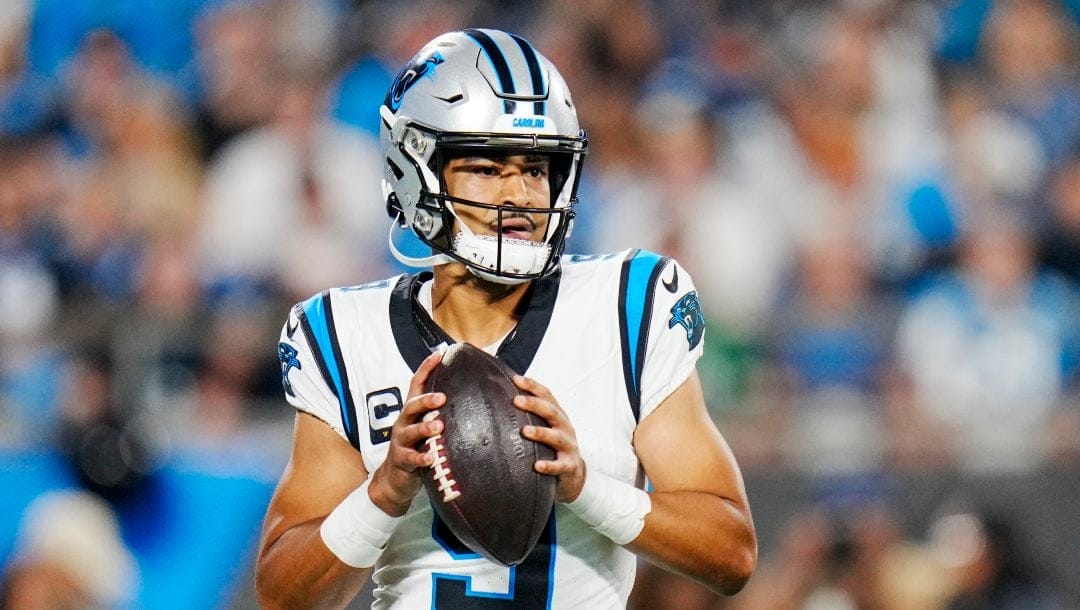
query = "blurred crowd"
{"x": 879, "y": 201}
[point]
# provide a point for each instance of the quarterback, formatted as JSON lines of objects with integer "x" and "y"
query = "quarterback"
{"x": 482, "y": 155}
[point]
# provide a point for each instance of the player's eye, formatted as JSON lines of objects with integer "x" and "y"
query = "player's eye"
{"x": 488, "y": 171}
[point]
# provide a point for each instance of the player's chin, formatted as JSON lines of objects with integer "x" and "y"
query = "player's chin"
{"x": 493, "y": 290}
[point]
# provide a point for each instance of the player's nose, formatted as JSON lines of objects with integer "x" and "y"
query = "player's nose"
{"x": 514, "y": 190}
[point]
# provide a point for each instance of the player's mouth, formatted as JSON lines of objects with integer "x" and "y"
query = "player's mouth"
{"x": 517, "y": 227}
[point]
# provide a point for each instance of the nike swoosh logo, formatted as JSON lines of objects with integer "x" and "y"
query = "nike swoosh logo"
{"x": 673, "y": 285}
{"x": 291, "y": 326}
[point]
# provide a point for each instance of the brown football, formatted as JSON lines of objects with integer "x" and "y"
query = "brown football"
{"x": 483, "y": 484}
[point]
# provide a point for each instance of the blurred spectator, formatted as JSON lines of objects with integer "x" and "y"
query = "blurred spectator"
{"x": 994, "y": 157}
{"x": 138, "y": 178}
{"x": 1061, "y": 241}
{"x": 849, "y": 131}
{"x": 98, "y": 434}
{"x": 234, "y": 58}
{"x": 230, "y": 378}
{"x": 29, "y": 102}
{"x": 30, "y": 293}
{"x": 1031, "y": 47}
{"x": 732, "y": 44}
{"x": 989, "y": 348}
{"x": 989, "y": 566}
{"x": 158, "y": 32}
{"x": 69, "y": 555}
{"x": 833, "y": 341}
{"x": 847, "y": 561}
{"x": 306, "y": 193}
{"x": 157, "y": 339}
{"x": 304, "y": 189}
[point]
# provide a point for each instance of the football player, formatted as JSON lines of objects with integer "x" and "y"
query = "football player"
{"x": 482, "y": 156}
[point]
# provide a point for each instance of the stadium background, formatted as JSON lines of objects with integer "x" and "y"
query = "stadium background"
{"x": 879, "y": 201}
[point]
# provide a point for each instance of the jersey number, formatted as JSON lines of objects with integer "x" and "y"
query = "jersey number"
{"x": 529, "y": 582}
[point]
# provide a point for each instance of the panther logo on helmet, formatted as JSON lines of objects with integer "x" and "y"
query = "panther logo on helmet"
{"x": 408, "y": 76}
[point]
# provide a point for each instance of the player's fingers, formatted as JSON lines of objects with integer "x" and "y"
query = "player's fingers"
{"x": 557, "y": 467}
{"x": 408, "y": 459}
{"x": 407, "y": 447}
{"x": 418, "y": 459}
{"x": 417, "y": 406}
{"x": 552, "y": 437}
{"x": 419, "y": 378}
{"x": 533, "y": 387}
{"x": 546, "y": 409}
{"x": 409, "y": 436}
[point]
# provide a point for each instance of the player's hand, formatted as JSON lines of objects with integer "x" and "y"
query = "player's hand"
{"x": 397, "y": 480}
{"x": 567, "y": 465}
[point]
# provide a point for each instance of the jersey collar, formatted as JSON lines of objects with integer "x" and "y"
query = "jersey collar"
{"x": 417, "y": 335}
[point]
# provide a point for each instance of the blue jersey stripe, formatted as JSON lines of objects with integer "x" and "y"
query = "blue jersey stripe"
{"x": 553, "y": 542}
{"x": 636, "y": 287}
{"x": 315, "y": 312}
{"x": 309, "y": 334}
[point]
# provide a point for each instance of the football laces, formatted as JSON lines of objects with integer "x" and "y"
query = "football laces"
{"x": 440, "y": 470}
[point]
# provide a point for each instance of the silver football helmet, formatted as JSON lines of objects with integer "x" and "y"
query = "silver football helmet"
{"x": 489, "y": 93}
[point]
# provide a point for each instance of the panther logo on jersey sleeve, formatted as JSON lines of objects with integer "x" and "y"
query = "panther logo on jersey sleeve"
{"x": 687, "y": 313}
{"x": 287, "y": 356}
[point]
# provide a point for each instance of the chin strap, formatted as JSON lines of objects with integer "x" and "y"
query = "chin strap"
{"x": 518, "y": 256}
{"x": 484, "y": 251}
{"x": 412, "y": 261}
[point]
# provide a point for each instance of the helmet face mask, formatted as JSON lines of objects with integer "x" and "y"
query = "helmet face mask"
{"x": 488, "y": 94}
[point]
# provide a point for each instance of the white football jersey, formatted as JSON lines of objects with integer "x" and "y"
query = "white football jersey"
{"x": 611, "y": 336}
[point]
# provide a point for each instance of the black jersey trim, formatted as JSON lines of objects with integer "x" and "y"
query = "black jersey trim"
{"x": 519, "y": 349}
{"x": 316, "y": 350}
{"x": 318, "y": 324}
{"x": 348, "y": 405}
{"x": 416, "y": 334}
{"x": 411, "y": 344}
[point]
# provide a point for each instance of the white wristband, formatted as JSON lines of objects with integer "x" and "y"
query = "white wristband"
{"x": 357, "y": 530}
{"x": 612, "y": 507}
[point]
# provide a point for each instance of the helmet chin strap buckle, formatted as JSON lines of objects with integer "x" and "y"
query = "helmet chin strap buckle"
{"x": 423, "y": 221}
